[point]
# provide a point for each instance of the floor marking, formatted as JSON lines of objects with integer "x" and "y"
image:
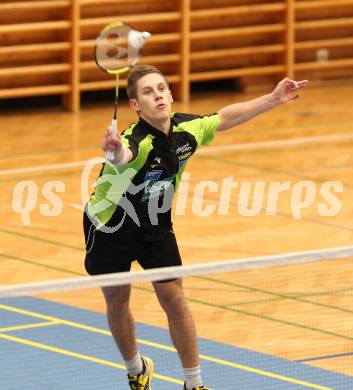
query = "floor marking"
{"x": 81, "y": 356}
{"x": 146, "y": 342}
{"x": 275, "y": 294}
{"x": 41, "y": 168}
{"x": 339, "y": 355}
{"x": 29, "y": 326}
{"x": 36, "y": 238}
{"x": 209, "y": 150}
{"x": 44, "y": 265}
{"x": 266, "y": 373}
{"x": 272, "y": 319}
{"x": 277, "y": 143}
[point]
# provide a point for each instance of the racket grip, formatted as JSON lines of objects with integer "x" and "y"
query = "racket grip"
{"x": 114, "y": 126}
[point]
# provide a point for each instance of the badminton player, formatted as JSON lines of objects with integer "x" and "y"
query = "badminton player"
{"x": 136, "y": 189}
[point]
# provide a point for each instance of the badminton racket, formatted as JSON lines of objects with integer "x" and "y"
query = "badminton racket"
{"x": 118, "y": 47}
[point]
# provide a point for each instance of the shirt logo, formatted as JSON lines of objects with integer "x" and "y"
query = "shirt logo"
{"x": 156, "y": 189}
{"x": 184, "y": 156}
{"x": 184, "y": 148}
{"x": 153, "y": 175}
{"x": 156, "y": 162}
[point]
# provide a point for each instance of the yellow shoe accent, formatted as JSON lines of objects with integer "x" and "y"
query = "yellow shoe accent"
{"x": 142, "y": 381}
{"x": 198, "y": 388}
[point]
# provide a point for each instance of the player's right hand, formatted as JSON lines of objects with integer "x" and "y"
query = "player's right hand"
{"x": 111, "y": 142}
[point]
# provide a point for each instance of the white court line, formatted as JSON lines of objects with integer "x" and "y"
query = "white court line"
{"x": 278, "y": 143}
{"x": 41, "y": 168}
{"x": 210, "y": 150}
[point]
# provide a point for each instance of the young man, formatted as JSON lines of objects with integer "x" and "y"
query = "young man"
{"x": 130, "y": 218}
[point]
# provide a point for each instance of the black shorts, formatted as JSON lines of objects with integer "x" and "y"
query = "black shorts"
{"x": 106, "y": 253}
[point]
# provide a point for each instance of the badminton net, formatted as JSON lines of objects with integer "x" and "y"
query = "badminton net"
{"x": 281, "y": 321}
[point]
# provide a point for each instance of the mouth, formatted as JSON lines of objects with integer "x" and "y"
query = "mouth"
{"x": 161, "y": 106}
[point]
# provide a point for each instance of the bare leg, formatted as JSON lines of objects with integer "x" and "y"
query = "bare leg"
{"x": 181, "y": 324}
{"x": 120, "y": 319}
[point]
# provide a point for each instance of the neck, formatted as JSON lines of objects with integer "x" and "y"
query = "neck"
{"x": 162, "y": 125}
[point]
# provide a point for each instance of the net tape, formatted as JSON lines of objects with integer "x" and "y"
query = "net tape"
{"x": 166, "y": 273}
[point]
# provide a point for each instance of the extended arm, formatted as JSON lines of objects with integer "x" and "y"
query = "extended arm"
{"x": 238, "y": 113}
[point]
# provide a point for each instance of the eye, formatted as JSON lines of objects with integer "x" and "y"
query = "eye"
{"x": 162, "y": 88}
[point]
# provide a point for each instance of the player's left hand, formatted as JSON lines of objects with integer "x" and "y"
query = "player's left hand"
{"x": 287, "y": 89}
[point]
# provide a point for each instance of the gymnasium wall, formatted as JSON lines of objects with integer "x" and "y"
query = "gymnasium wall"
{"x": 46, "y": 46}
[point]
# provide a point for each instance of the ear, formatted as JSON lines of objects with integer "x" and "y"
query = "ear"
{"x": 134, "y": 105}
{"x": 171, "y": 96}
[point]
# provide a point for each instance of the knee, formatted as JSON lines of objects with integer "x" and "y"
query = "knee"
{"x": 117, "y": 302}
{"x": 117, "y": 306}
{"x": 175, "y": 304}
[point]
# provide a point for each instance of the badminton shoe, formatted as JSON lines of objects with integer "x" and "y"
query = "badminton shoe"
{"x": 197, "y": 388}
{"x": 142, "y": 381}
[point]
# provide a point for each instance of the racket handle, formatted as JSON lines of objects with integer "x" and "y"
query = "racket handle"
{"x": 109, "y": 153}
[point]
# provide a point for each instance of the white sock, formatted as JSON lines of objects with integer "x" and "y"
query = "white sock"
{"x": 134, "y": 366}
{"x": 193, "y": 377}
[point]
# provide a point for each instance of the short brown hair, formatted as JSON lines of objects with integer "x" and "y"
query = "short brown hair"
{"x": 135, "y": 74}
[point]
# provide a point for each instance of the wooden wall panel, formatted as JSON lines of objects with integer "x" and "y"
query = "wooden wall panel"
{"x": 46, "y": 45}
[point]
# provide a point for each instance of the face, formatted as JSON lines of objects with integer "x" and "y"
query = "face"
{"x": 154, "y": 98}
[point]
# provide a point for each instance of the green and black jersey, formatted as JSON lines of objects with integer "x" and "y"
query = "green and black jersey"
{"x": 133, "y": 196}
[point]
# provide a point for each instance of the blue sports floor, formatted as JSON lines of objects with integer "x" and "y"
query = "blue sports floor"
{"x": 50, "y": 346}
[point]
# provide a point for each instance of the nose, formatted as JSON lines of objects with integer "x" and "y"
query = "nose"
{"x": 157, "y": 94}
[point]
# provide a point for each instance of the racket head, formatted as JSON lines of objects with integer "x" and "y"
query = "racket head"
{"x": 112, "y": 52}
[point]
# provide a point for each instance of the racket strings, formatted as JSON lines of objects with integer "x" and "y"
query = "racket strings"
{"x": 113, "y": 52}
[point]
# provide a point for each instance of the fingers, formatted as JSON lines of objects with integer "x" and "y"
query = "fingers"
{"x": 302, "y": 83}
{"x": 287, "y": 89}
{"x": 295, "y": 84}
{"x": 115, "y": 137}
{"x": 111, "y": 142}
